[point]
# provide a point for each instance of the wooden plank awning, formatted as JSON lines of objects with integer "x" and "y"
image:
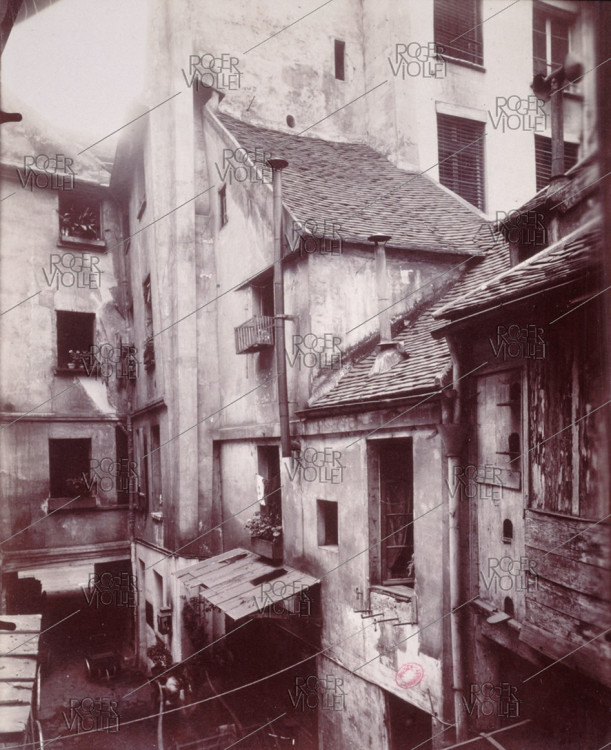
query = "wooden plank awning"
{"x": 241, "y": 583}
{"x": 18, "y": 665}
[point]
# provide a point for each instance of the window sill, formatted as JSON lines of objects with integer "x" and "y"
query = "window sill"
{"x": 400, "y": 591}
{"x": 329, "y": 547}
{"x": 458, "y": 61}
{"x": 61, "y": 371}
{"x": 78, "y": 243}
{"x": 83, "y": 504}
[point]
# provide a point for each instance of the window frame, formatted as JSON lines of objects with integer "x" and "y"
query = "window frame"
{"x": 454, "y": 173}
{"x": 65, "y": 199}
{"x": 442, "y": 17}
{"x": 62, "y": 358}
{"x": 325, "y": 525}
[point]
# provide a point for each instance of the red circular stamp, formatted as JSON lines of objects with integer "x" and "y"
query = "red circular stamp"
{"x": 409, "y": 675}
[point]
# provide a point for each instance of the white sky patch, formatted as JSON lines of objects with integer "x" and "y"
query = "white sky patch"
{"x": 80, "y": 63}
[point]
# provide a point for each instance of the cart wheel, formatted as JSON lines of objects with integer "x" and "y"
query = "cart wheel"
{"x": 88, "y": 669}
{"x": 41, "y": 744}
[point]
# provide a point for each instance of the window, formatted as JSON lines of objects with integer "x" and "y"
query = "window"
{"x": 264, "y": 297}
{"x": 74, "y": 339}
{"x": 149, "y": 615}
{"x": 507, "y": 531}
{"x": 268, "y": 467}
{"x": 79, "y": 217}
{"x": 550, "y": 38}
{"x": 156, "y": 466}
{"x": 391, "y": 511}
{"x": 148, "y": 356}
{"x": 458, "y": 29}
{"x": 543, "y": 159}
{"x": 125, "y": 478}
{"x": 327, "y": 523}
{"x": 340, "y": 53}
{"x": 69, "y": 464}
{"x": 223, "y": 205}
{"x": 461, "y": 157}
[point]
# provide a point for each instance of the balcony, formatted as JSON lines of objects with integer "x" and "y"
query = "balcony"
{"x": 254, "y": 335}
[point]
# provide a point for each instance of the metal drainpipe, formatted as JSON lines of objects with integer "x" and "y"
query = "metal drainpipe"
{"x": 453, "y": 435}
{"x": 557, "y": 128}
{"x": 277, "y": 166}
{"x": 131, "y": 526}
{"x": 382, "y": 285}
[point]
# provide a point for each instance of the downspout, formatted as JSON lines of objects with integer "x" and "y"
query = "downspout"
{"x": 453, "y": 435}
{"x": 131, "y": 528}
{"x": 277, "y": 166}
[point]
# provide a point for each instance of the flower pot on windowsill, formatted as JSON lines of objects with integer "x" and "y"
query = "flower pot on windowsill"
{"x": 268, "y": 548}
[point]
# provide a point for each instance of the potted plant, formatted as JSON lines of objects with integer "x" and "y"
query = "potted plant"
{"x": 79, "y": 222}
{"x": 77, "y": 359}
{"x": 265, "y": 535}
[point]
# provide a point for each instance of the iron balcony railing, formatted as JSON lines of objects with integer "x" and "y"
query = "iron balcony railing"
{"x": 254, "y": 335}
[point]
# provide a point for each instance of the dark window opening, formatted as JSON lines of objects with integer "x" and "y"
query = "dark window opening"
{"x": 408, "y": 726}
{"x": 223, "y": 205}
{"x": 514, "y": 446}
{"x": 156, "y": 467}
{"x": 543, "y": 159}
{"x": 328, "y": 526}
{"x": 507, "y": 531}
{"x": 79, "y": 217}
{"x": 125, "y": 478}
{"x": 458, "y": 29}
{"x": 268, "y": 461}
{"x": 340, "y": 58}
{"x": 69, "y": 467}
{"x": 461, "y": 157}
{"x": 396, "y": 511}
{"x": 264, "y": 298}
{"x": 148, "y": 356}
{"x": 75, "y": 333}
{"x": 515, "y": 392}
{"x": 508, "y": 606}
{"x": 149, "y": 615}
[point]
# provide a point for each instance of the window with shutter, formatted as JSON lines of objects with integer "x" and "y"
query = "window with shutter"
{"x": 458, "y": 29}
{"x": 543, "y": 159}
{"x": 461, "y": 157}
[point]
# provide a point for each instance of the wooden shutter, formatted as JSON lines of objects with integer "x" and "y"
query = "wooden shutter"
{"x": 461, "y": 157}
{"x": 543, "y": 159}
{"x": 458, "y": 29}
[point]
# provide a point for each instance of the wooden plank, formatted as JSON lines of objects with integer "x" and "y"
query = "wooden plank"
{"x": 14, "y": 719}
{"x": 20, "y": 668}
{"x": 18, "y": 644}
{"x": 573, "y": 575}
{"x": 16, "y": 691}
{"x": 586, "y": 660}
{"x": 220, "y": 573}
{"x": 591, "y": 546}
{"x": 210, "y": 563}
{"x": 586, "y": 608}
{"x": 23, "y": 623}
{"x": 570, "y": 629}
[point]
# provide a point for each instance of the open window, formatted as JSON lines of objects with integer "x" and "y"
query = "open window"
{"x": 75, "y": 337}
{"x": 328, "y": 527}
{"x": 69, "y": 464}
{"x": 80, "y": 218}
{"x": 268, "y": 462}
{"x": 551, "y": 38}
{"x": 148, "y": 356}
{"x": 391, "y": 511}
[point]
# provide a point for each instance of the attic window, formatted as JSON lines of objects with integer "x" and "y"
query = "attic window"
{"x": 340, "y": 55}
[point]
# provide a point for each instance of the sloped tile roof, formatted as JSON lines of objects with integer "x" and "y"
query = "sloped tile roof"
{"x": 359, "y": 189}
{"x": 427, "y": 357}
{"x": 564, "y": 261}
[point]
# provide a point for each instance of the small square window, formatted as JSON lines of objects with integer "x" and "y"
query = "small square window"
{"x": 80, "y": 217}
{"x": 340, "y": 59}
{"x": 327, "y": 523}
{"x": 223, "y": 205}
{"x": 69, "y": 464}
